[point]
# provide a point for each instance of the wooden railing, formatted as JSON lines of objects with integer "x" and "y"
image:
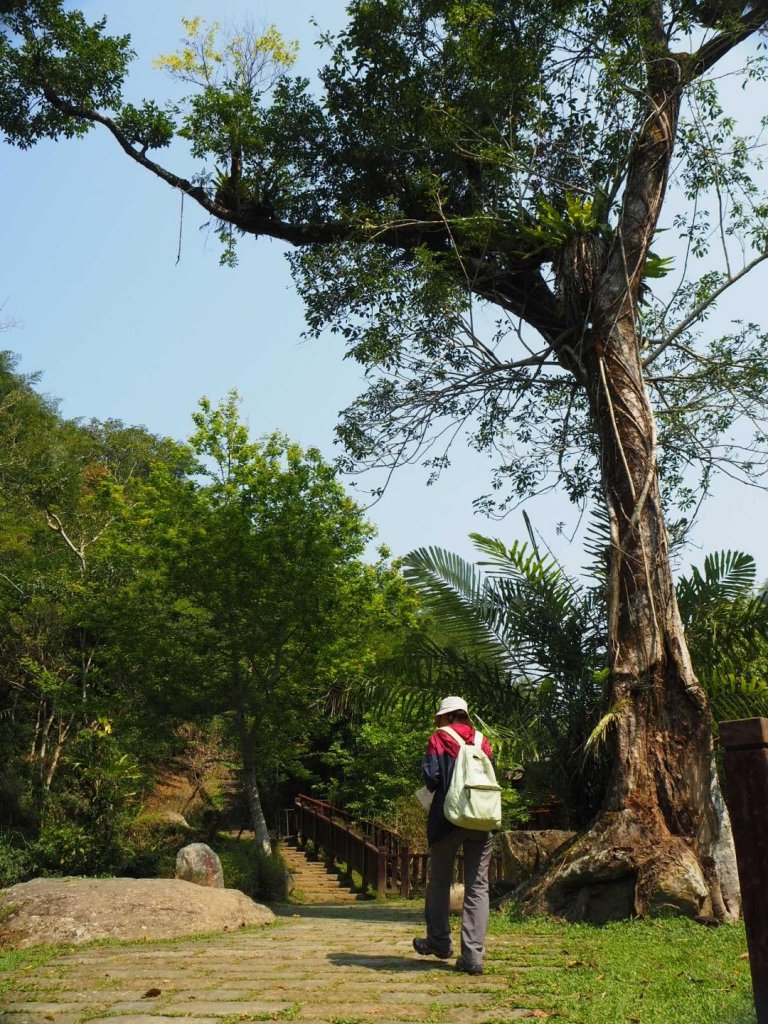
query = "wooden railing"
{"x": 382, "y": 858}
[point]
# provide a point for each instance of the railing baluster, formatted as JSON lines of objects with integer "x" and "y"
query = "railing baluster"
{"x": 405, "y": 878}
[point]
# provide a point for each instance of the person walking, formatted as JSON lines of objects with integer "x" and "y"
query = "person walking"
{"x": 445, "y": 839}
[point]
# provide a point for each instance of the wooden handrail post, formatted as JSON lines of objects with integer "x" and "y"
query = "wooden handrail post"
{"x": 405, "y": 871}
{"x": 381, "y": 872}
{"x": 746, "y": 770}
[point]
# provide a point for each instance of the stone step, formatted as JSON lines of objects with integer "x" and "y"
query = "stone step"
{"x": 314, "y": 882}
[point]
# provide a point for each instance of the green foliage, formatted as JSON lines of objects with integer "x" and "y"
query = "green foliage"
{"x": 726, "y": 625}
{"x": 249, "y": 869}
{"x": 145, "y": 584}
{"x": 377, "y": 766}
{"x": 76, "y": 60}
{"x": 70, "y": 548}
{"x": 85, "y": 827}
{"x": 274, "y": 563}
{"x": 16, "y": 859}
{"x": 147, "y": 126}
{"x": 150, "y": 847}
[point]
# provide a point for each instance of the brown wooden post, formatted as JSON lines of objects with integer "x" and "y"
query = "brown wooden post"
{"x": 405, "y": 871}
{"x": 746, "y": 771}
{"x": 381, "y": 872}
{"x": 366, "y": 860}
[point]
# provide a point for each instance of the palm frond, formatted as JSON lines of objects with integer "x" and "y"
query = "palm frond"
{"x": 734, "y": 698}
{"x": 599, "y": 736}
{"x": 597, "y": 543}
{"x": 463, "y": 603}
{"x": 525, "y": 574}
{"x": 727, "y": 577}
{"x": 540, "y": 611}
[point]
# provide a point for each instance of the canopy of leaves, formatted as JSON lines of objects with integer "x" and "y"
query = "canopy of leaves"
{"x": 453, "y": 185}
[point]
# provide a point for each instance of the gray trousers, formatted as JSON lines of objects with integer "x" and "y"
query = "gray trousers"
{"x": 474, "y": 917}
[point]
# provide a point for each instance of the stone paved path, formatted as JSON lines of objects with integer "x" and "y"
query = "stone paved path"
{"x": 350, "y": 964}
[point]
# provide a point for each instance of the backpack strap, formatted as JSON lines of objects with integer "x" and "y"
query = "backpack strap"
{"x": 452, "y": 732}
{"x": 478, "y": 741}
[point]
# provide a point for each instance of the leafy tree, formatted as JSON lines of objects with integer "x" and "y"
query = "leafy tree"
{"x": 273, "y": 561}
{"x": 473, "y": 198}
{"x": 68, "y": 562}
{"x": 142, "y": 581}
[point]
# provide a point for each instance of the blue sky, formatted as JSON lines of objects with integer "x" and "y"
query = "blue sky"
{"x": 88, "y": 272}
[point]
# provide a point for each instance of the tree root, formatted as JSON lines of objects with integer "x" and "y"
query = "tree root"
{"x": 627, "y": 864}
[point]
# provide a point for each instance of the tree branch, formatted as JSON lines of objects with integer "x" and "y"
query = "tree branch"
{"x": 57, "y": 526}
{"x": 700, "y": 309}
{"x": 715, "y": 49}
{"x": 296, "y": 234}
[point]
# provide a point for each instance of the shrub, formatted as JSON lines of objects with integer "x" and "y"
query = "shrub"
{"x": 16, "y": 861}
{"x": 86, "y": 822}
{"x": 65, "y": 847}
{"x": 247, "y": 868}
{"x": 515, "y": 809}
{"x": 152, "y": 845}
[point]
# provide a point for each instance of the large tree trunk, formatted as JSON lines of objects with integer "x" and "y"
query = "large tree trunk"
{"x": 663, "y": 835}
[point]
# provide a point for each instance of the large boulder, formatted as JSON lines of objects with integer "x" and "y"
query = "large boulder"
{"x": 199, "y": 864}
{"x": 75, "y": 910}
{"x": 524, "y": 853}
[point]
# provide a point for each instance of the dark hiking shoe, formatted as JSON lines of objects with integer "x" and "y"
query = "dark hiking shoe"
{"x": 467, "y": 967}
{"x": 425, "y": 948}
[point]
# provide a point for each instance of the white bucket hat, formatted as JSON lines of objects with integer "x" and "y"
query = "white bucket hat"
{"x": 452, "y": 704}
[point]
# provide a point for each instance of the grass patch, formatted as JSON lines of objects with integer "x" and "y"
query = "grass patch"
{"x": 15, "y": 962}
{"x": 664, "y": 971}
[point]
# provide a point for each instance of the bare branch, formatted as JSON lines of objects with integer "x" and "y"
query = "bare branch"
{"x": 699, "y": 310}
{"x": 58, "y": 527}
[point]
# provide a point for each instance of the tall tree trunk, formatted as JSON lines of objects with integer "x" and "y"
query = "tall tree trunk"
{"x": 663, "y": 835}
{"x": 251, "y": 785}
